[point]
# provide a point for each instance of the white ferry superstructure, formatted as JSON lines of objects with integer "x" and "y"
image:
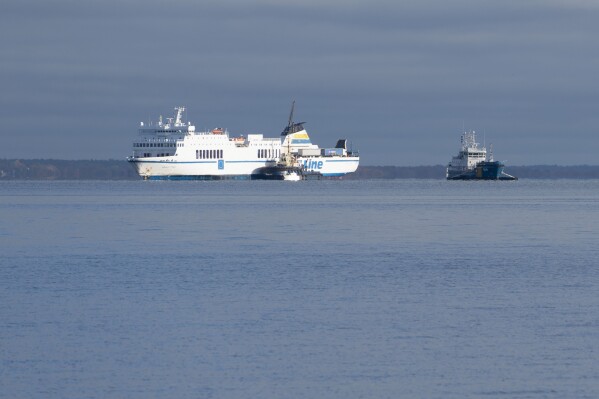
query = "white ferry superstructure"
{"x": 176, "y": 151}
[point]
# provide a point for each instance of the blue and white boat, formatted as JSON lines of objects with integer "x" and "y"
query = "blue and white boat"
{"x": 471, "y": 163}
{"x": 174, "y": 150}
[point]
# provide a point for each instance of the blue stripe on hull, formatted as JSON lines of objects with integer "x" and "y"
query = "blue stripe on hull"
{"x": 202, "y": 177}
{"x": 215, "y": 161}
{"x": 217, "y": 177}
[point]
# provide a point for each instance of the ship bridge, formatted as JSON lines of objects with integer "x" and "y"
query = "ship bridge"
{"x": 174, "y": 125}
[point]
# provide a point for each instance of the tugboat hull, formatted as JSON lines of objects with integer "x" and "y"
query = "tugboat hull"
{"x": 278, "y": 172}
{"x": 486, "y": 170}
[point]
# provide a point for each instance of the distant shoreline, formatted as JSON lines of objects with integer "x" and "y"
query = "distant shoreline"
{"x": 56, "y": 169}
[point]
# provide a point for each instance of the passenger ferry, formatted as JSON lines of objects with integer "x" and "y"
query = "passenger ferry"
{"x": 174, "y": 150}
{"x": 471, "y": 163}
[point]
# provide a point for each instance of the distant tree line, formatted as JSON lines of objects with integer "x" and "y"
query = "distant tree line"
{"x": 398, "y": 172}
{"x": 554, "y": 172}
{"x": 438, "y": 172}
{"x": 54, "y": 169}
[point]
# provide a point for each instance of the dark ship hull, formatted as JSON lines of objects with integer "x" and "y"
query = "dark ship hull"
{"x": 277, "y": 172}
{"x": 486, "y": 170}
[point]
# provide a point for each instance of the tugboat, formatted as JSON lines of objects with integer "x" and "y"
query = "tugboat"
{"x": 301, "y": 160}
{"x": 287, "y": 166}
{"x": 471, "y": 163}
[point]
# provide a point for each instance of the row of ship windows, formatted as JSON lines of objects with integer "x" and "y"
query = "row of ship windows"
{"x": 213, "y": 154}
{"x": 209, "y": 154}
{"x": 158, "y": 144}
{"x": 149, "y": 155}
{"x": 268, "y": 153}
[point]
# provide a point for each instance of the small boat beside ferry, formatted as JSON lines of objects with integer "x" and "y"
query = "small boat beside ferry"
{"x": 472, "y": 162}
{"x": 176, "y": 151}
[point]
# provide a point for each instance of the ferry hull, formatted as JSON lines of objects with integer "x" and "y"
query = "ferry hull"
{"x": 329, "y": 166}
{"x": 210, "y": 170}
{"x": 157, "y": 169}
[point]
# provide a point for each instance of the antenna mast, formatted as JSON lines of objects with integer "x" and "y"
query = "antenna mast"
{"x": 288, "y": 132}
{"x": 291, "y": 114}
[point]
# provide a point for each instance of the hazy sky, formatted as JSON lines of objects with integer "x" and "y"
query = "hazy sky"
{"x": 399, "y": 78}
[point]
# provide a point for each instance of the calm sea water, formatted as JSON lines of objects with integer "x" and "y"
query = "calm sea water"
{"x": 330, "y": 289}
